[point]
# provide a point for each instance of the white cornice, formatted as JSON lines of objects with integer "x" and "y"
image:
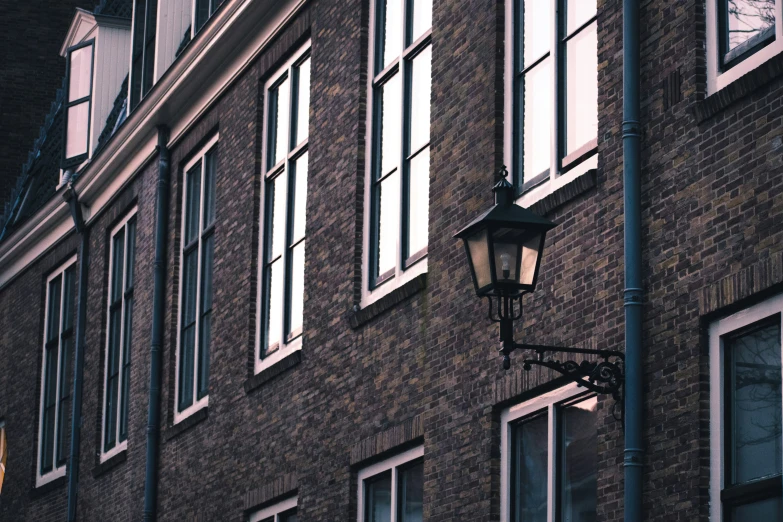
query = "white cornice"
{"x": 83, "y": 22}
{"x": 219, "y": 54}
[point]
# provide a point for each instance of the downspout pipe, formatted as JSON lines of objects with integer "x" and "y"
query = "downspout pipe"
{"x": 72, "y": 198}
{"x": 633, "y": 295}
{"x": 158, "y": 311}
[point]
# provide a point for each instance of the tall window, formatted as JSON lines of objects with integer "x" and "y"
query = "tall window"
{"x": 741, "y": 35}
{"x": 145, "y": 13}
{"x": 746, "y": 434}
{"x": 78, "y": 103}
{"x": 118, "y": 332}
{"x": 56, "y": 372}
{"x": 393, "y": 489}
{"x": 284, "y": 511}
{"x": 550, "y": 454}
{"x": 285, "y": 156}
{"x": 400, "y": 91}
{"x": 195, "y": 313}
{"x": 202, "y": 11}
{"x": 554, "y": 86}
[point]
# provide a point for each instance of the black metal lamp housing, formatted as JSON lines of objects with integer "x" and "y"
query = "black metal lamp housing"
{"x": 504, "y": 246}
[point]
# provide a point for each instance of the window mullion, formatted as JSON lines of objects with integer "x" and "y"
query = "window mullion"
{"x": 199, "y": 275}
{"x": 554, "y": 162}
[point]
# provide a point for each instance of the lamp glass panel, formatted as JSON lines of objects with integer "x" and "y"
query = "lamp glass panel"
{"x": 531, "y": 250}
{"x": 506, "y": 262}
{"x": 479, "y": 257}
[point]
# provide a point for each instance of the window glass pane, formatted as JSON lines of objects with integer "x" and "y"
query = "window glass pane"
{"x": 68, "y": 297}
{"x": 289, "y": 517}
{"x": 278, "y": 123}
{"x": 277, "y": 215}
{"x": 582, "y": 89}
{"x": 112, "y": 376}
{"x": 580, "y": 461}
{"x": 53, "y": 328}
{"x": 189, "y": 288}
{"x": 274, "y": 298}
{"x": 63, "y": 409}
{"x": 300, "y": 197}
{"x": 80, "y": 74}
{"x": 303, "y": 101}
{"x": 193, "y": 203}
{"x": 388, "y": 222}
{"x": 755, "y": 374}
{"x": 50, "y": 399}
{"x": 536, "y": 100}
{"x": 187, "y": 343}
{"x": 748, "y": 20}
{"x": 297, "y": 287}
{"x": 202, "y": 13}
{"x": 131, "y": 253}
{"x": 210, "y": 164}
{"x": 536, "y": 30}
{"x": 118, "y": 259}
{"x": 422, "y": 18}
{"x": 411, "y": 494}
{"x": 769, "y": 510}
{"x": 378, "y": 498}
{"x": 529, "y": 471}
{"x": 76, "y": 140}
{"x": 389, "y": 113}
{"x": 205, "y": 336}
{"x": 419, "y": 202}
{"x": 392, "y": 31}
{"x": 578, "y": 12}
{"x": 126, "y": 369}
{"x": 420, "y": 100}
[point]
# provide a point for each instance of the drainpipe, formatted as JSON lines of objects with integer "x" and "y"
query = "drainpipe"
{"x": 72, "y": 198}
{"x": 633, "y": 295}
{"x": 158, "y": 310}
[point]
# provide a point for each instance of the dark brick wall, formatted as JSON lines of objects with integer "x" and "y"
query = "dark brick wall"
{"x": 425, "y": 369}
{"x": 32, "y": 71}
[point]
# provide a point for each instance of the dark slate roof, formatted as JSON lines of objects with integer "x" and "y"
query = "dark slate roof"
{"x": 40, "y": 174}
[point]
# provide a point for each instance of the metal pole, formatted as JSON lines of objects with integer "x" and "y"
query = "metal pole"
{"x": 78, "y": 361}
{"x": 158, "y": 311}
{"x": 633, "y": 296}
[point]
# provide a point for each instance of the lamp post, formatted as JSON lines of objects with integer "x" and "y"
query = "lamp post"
{"x": 504, "y": 246}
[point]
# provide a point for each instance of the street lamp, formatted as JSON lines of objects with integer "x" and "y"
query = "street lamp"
{"x": 505, "y": 246}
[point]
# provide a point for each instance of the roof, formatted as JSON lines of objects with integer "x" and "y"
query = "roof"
{"x": 40, "y": 174}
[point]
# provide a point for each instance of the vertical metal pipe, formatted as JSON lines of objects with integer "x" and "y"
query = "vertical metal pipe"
{"x": 633, "y": 296}
{"x": 158, "y": 310}
{"x": 78, "y": 360}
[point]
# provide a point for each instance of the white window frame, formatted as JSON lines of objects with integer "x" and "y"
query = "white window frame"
{"x": 120, "y": 446}
{"x": 275, "y": 510}
{"x": 717, "y": 80}
{"x": 392, "y": 463}
{"x": 556, "y": 179}
{"x": 198, "y": 404}
{"x": 547, "y": 401}
{"x": 56, "y": 472}
{"x": 717, "y": 330}
{"x": 285, "y": 348}
{"x": 401, "y": 275}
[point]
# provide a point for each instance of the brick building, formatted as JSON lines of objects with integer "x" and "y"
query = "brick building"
{"x": 197, "y": 146}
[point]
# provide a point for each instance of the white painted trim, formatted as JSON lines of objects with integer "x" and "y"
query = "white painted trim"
{"x": 392, "y": 464}
{"x": 285, "y": 348}
{"x": 120, "y": 446}
{"x": 717, "y": 80}
{"x": 273, "y": 511}
{"x": 556, "y": 178}
{"x": 220, "y": 54}
{"x": 179, "y": 416}
{"x": 718, "y": 329}
{"x": 82, "y": 17}
{"x": 56, "y": 471}
{"x": 547, "y": 401}
{"x": 401, "y": 276}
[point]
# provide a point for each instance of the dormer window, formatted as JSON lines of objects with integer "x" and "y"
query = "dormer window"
{"x": 145, "y": 13}
{"x": 78, "y": 103}
{"x": 203, "y": 10}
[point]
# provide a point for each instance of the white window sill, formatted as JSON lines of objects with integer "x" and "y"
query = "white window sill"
{"x": 533, "y": 196}
{"x": 190, "y": 410}
{"x": 119, "y": 448}
{"x": 280, "y": 354}
{"x": 370, "y": 296}
{"x": 41, "y": 480}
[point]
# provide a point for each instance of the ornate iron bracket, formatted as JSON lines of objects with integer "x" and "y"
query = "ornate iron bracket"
{"x": 605, "y": 375}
